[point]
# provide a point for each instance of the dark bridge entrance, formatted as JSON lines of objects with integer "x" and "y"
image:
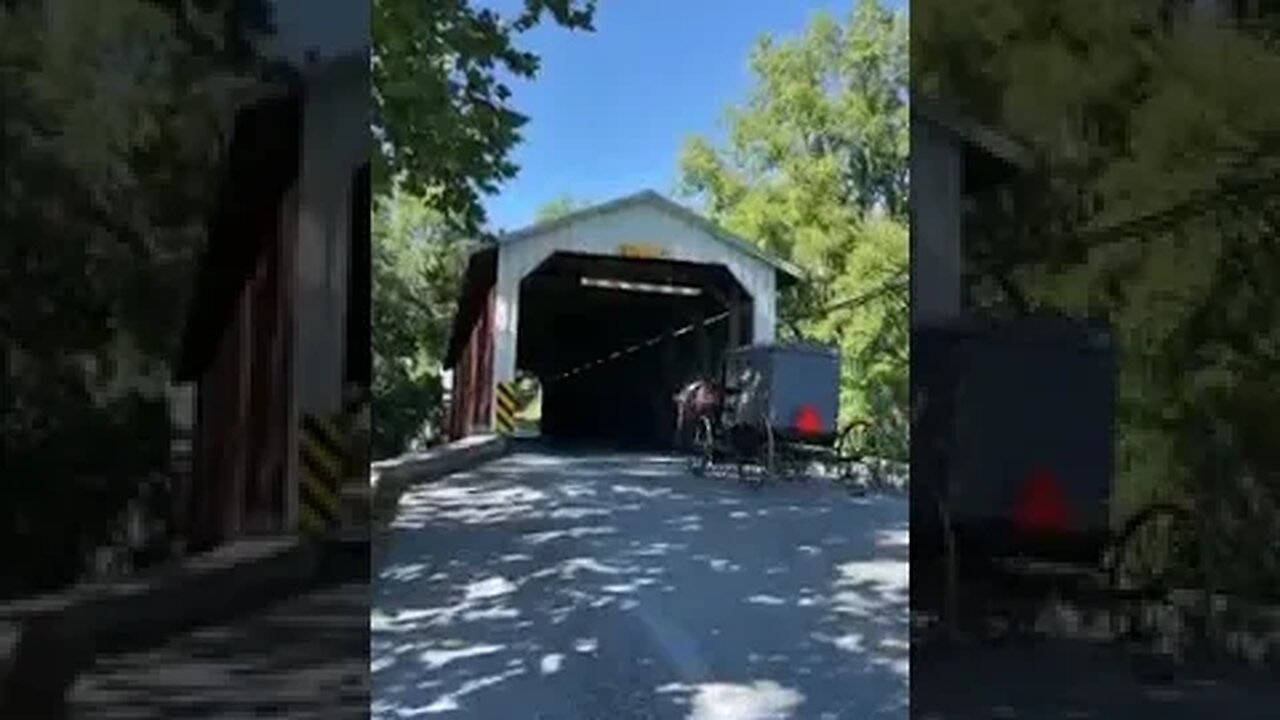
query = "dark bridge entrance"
{"x": 612, "y": 339}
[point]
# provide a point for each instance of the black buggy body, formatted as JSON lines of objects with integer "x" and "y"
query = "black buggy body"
{"x": 1013, "y": 439}
{"x": 792, "y": 388}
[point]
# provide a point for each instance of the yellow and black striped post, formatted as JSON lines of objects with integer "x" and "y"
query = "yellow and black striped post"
{"x": 505, "y": 407}
{"x": 323, "y": 464}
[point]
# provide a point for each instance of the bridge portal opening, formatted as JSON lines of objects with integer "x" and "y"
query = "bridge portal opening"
{"x": 612, "y": 339}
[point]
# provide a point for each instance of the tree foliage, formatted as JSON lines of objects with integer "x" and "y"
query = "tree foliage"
{"x": 815, "y": 170}
{"x": 444, "y": 127}
{"x": 418, "y": 260}
{"x": 442, "y": 113}
{"x": 112, "y": 125}
{"x": 558, "y": 207}
{"x": 1153, "y": 206}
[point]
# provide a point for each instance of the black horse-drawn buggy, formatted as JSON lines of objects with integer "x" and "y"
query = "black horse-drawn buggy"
{"x": 1012, "y": 462}
{"x": 771, "y": 413}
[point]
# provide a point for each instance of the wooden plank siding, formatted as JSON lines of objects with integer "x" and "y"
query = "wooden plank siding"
{"x": 472, "y": 393}
{"x": 240, "y": 440}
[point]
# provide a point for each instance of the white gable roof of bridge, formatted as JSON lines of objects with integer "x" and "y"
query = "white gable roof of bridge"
{"x": 645, "y": 221}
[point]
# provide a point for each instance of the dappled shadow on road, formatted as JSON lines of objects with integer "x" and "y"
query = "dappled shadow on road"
{"x": 304, "y": 657}
{"x": 619, "y": 586}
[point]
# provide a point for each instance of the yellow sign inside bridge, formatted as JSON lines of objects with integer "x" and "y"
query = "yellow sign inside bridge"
{"x": 641, "y": 250}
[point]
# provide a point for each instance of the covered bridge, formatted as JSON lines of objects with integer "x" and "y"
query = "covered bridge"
{"x": 612, "y": 308}
{"x": 279, "y": 326}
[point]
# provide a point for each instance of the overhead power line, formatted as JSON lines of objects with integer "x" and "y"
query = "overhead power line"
{"x": 898, "y": 281}
{"x": 636, "y": 347}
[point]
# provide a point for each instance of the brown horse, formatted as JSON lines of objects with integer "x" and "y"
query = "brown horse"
{"x": 699, "y": 399}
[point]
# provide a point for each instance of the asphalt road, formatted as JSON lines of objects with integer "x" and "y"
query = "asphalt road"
{"x": 618, "y": 586}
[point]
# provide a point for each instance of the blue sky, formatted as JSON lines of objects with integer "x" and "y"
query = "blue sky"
{"x": 610, "y": 110}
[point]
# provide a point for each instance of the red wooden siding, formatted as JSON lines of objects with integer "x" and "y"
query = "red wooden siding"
{"x": 240, "y": 440}
{"x": 473, "y": 376}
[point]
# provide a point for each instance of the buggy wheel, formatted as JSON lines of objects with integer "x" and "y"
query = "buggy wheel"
{"x": 950, "y": 611}
{"x": 771, "y": 461}
{"x": 936, "y": 597}
{"x": 750, "y": 476}
{"x": 703, "y": 448}
{"x": 1156, "y": 550}
{"x": 795, "y": 465}
{"x": 751, "y": 451}
{"x": 767, "y": 456}
{"x": 876, "y": 472}
{"x": 850, "y": 450}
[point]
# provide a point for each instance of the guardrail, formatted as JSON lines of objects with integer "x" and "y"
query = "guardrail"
{"x": 49, "y": 640}
{"x": 1185, "y": 624}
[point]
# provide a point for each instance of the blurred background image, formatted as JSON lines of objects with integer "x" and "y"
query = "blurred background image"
{"x": 1095, "y": 340}
{"x": 185, "y": 264}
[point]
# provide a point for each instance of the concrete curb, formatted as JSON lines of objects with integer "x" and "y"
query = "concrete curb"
{"x": 46, "y": 642}
{"x": 1237, "y": 628}
{"x": 389, "y": 479}
{"x": 51, "y": 639}
{"x": 1188, "y": 623}
{"x": 1179, "y": 627}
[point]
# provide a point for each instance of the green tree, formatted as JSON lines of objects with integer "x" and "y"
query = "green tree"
{"x": 418, "y": 260}
{"x": 559, "y": 207}
{"x": 113, "y": 114}
{"x": 1152, "y": 205}
{"x": 442, "y": 115}
{"x": 815, "y": 170}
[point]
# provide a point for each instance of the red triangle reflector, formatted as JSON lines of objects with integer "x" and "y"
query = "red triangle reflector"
{"x": 1042, "y": 506}
{"x": 808, "y": 420}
